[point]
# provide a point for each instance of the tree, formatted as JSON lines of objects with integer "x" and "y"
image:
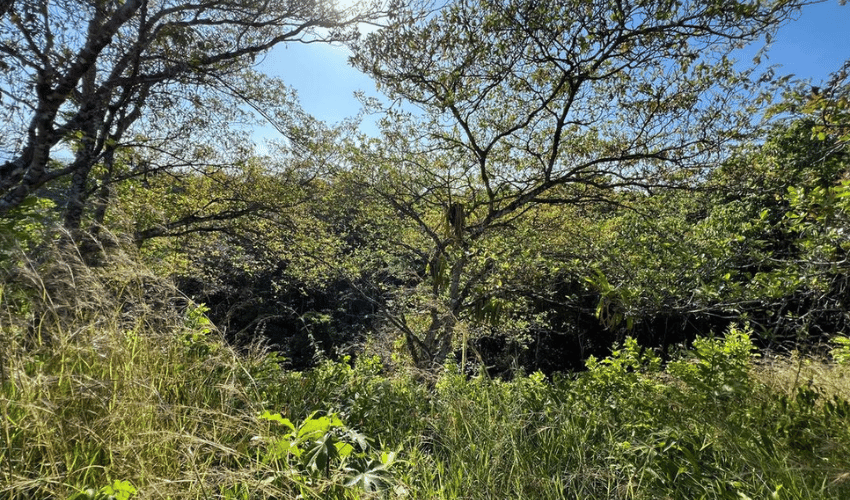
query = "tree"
{"x": 96, "y": 77}
{"x": 764, "y": 241}
{"x": 551, "y": 103}
{"x": 798, "y": 258}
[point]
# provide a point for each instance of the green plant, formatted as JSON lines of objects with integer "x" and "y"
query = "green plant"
{"x": 118, "y": 490}
{"x": 25, "y": 227}
{"x": 717, "y": 366}
{"x": 625, "y": 369}
{"x": 841, "y": 352}
{"x": 322, "y": 447}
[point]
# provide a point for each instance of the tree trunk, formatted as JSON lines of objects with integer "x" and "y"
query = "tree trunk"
{"x": 430, "y": 352}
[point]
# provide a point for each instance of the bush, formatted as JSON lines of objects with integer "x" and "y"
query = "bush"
{"x": 717, "y": 367}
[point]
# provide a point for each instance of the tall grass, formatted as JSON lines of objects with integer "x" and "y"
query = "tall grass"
{"x": 703, "y": 427}
{"x": 105, "y": 376}
{"x": 108, "y": 374}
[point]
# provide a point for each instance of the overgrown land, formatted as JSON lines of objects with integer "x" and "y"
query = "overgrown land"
{"x": 110, "y": 395}
{"x": 585, "y": 255}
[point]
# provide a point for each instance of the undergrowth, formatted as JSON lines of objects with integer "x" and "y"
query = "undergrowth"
{"x": 114, "y": 386}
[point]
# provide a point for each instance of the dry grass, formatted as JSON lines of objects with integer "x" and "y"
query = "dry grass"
{"x": 785, "y": 374}
{"x": 105, "y": 377}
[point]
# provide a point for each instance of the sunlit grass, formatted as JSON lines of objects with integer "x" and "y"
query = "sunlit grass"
{"x": 106, "y": 378}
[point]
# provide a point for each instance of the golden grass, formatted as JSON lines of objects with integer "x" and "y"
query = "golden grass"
{"x": 784, "y": 374}
{"x": 104, "y": 378}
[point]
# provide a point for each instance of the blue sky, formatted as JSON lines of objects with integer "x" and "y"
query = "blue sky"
{"x": 816, "y": 44}
{"x": 811, "y": 47}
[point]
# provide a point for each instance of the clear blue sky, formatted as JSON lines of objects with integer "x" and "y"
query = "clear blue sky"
{"x": 811, "y": 47}
{"x": 816, "y": 44}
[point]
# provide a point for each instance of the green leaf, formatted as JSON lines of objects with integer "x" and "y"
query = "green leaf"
{"x": 374, "y": 476}
{"x": 343, "y": 450}
{"x": 120, "y": 490}
{"x": 319, "y": 456}
{"x": 277, "y": 417}
{"x": 313, "y": 427}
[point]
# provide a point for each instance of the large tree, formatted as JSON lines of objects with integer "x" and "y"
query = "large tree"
{"x": 523, "y": 104}
{"x": 84, "y": 79}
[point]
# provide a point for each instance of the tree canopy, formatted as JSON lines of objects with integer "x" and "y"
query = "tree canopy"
{"x": 551, "y": 103}
{"x": 93, "y": 77}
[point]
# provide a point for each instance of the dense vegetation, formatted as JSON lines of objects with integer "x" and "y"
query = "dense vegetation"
{"x": 112, "y": 393}
{"x": 599, "y": 260}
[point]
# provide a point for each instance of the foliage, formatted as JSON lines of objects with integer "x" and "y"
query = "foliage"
{"x": 295, "y": 274}
{"x": 626, "y": 428}
{"x": 26, "y": 227}
{"x": 841, "y": 351}
{"x": 763, "y": 241}
{"x": 530, "y": 197}
{"x": 526, "y": 106}
{"x": 164, "y": 405}
{"x": 323, "y": 447}
{"x": 623, "y": 369}
{"x": 132, "y": 389}
{"x": 719, "y": 366}
{"x": 793, "y": 260}
{"x": 118, "y": 490}
{"x": 132, "y": 89}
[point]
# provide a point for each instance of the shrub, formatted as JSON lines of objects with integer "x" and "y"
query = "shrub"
{"x": 717, "y": 367}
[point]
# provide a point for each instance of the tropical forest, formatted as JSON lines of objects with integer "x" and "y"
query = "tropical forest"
{"x": 576, "y": 249}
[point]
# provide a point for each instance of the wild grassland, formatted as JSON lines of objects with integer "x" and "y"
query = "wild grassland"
{"x": 114, "y": 385}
